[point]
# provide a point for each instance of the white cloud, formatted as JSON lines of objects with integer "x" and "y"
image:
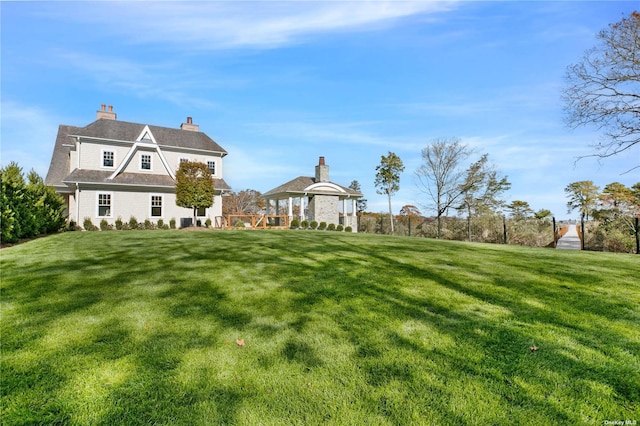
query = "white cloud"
{"x": 143, "y": 80}
{"x": 222, "y": 25}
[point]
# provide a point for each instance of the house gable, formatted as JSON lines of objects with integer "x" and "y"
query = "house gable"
{"x": 145, "y": 142}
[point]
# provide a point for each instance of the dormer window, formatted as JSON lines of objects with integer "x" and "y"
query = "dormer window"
{"x": 107, "y": 159}
{"x": 145, "y": 161}
{"x": 212, "y": 166}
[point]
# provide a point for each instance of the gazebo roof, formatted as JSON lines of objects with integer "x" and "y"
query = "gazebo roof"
{"x": 306, "y": 185}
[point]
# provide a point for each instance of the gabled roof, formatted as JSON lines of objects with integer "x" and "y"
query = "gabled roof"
{"x": 58, "y": 174}
{"x": 310, "y": 186}
{"x": 165, "y": 136}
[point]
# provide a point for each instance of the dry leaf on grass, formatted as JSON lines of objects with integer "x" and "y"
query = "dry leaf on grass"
{"x": 533, "y": 348}
{"x": 240, "y": 342}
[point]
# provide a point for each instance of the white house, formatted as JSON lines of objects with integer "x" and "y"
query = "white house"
{"x": 114, "y": 169}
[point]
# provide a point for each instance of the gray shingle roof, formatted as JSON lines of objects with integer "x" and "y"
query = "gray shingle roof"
{"x": 298, "y": 185}
{"x": 59, "y": 166}
{"x": 165, "y": 136}
{"x": 58, "y": 173}
{"x": 141, "y": 179}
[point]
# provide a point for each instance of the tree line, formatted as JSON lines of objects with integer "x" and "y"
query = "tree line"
{"x": 28, "y": 207}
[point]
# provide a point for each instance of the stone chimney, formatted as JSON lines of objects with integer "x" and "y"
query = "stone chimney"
{"x": 107, "y": 115}
{"x": 322, "y": 171}
{"x": 190, "y": 126}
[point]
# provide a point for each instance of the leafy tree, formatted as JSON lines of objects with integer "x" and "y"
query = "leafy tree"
{"x": 28, "y": 208}
{"x": 616, "y": 196}
{"x": 480, "y": 190}
{"x": 194, "y": 186}
{"x": 48, "y": 207}
{"x": 388, "y": 178}
{"x": 248, "y": 201}
{"x": 618, "y": 202}
{"x": 603, "y": 90}
{"x": 410, "y": 210}
{"x": 542, "y": 214}
{"x": 583, "y": 196}
{"x": 361, "y": 203}
{"x": 519, "y": 210}
{"x": 440, "y": 175}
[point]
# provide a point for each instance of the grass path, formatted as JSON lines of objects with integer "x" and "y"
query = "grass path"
{"x": 140, "y": 327}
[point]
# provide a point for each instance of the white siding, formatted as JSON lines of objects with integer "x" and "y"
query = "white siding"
{"x": 136, "y": 203}
{"x": 91, "y": 156}
{"x": 173, "y": 158}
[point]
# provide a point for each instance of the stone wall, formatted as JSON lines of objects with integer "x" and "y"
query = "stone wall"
{"x": 324, "y": 208}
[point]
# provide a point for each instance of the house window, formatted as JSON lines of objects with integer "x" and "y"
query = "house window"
{"x": 156, "y": 206}
{"x": 145, "y": 161}
{"x": 212, "y": 166}
{"x": 104, "y": 205}
{"x": 107, "y": 158}
{"x": 201, "y": 211}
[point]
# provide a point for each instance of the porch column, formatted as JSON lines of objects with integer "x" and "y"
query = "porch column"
{"x": 302, "y": 209}
{"x": 266, "y": 207}
{"x": 290, "y": 205}
{"x": 344, "y": 213}
{"x": 354, "y": 214}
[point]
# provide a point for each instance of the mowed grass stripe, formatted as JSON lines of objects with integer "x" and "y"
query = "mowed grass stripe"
{"x": 140, "y": 327}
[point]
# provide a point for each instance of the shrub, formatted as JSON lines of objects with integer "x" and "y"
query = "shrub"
{"x": 239, "y": 224}
{"x": 104, "y": 225}
{"x": 172, "y": 223}
{"x": 295, "y": 224}
{"x": 322, "y": 226}
{"x": 165, "y": 226}
{"x": 27, "y": 207}
{"x": 88, "y": 225}
{"x": 331, "y": 227}
{"x": 339, "y": 228}
{"x": 348, "y": 229}
{"x": 207, "y": 223}
{"x": 148, "y": 224}
{"x": 133, "y": 223}
{"x": 119, "y": 223}
{"x": 71, "y": 226}
{"x": 313, "y": 224}
{"x": 304, "y": 224}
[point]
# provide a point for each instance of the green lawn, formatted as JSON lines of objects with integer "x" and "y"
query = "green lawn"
{"x": 140, "y": 327}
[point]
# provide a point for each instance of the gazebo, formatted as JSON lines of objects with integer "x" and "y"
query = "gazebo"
{"x": 319, "y": 199}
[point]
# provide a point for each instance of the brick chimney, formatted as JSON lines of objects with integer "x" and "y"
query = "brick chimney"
{"x": 190, "y": 126}
{"x": 107, "y": 115}
{"x": 322, "y": 171}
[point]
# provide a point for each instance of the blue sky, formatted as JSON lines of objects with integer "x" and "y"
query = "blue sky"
{"x": 278, "y": 84}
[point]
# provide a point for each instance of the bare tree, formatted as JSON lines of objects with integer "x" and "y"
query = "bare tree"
{"x": 440, "y": 176}
{"x": 603, "y": 90}
{"x": 247, "y": 201}
{"x": 388, "y": 178}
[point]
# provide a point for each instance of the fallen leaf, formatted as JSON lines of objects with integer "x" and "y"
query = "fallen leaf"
{"x": 240, "y": 342}
{"x": 533, "y": 348}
